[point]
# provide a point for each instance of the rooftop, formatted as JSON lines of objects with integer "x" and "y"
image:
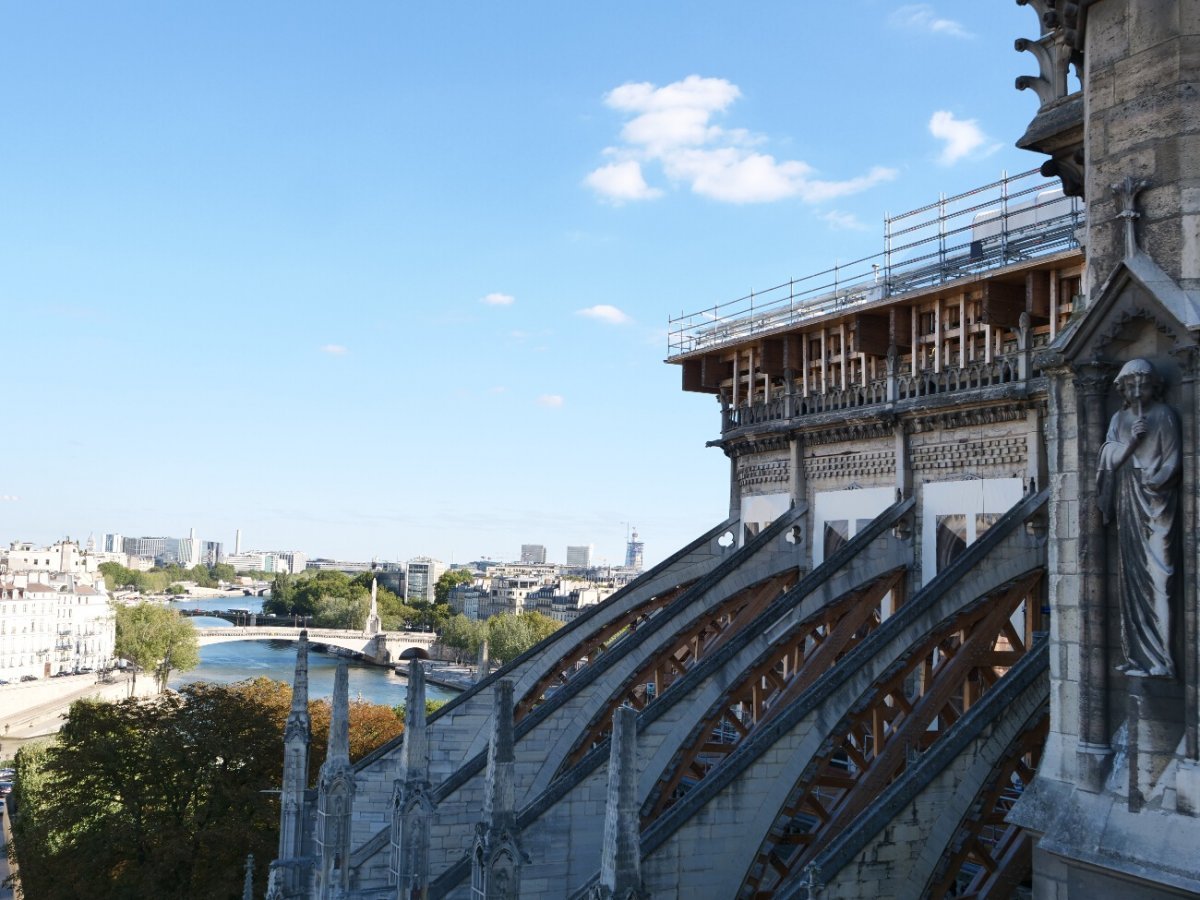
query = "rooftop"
{"x": 1009, "y": 222}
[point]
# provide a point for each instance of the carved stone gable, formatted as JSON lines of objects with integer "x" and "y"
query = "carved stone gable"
{"x": 1139, "y": 311}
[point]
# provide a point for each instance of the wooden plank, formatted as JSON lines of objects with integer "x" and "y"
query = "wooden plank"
{"x": 1003, "y": 304}
{"x": 771, "y": 356}
{"x": 1037, "y": 296}
{"x": 870, "y": 335}
{"x": 900, "y": 326}
{"x": 714, "y": 370}
{"x": 693, "y": 377}
{"x": 793, "y": 352}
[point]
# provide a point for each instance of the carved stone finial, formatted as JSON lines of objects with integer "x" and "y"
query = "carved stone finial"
{"x": 1127, "y": 191}
{"x": 248, "y": 882}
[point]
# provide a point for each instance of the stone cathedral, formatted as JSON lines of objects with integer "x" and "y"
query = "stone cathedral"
{"x": 946, "y": 642}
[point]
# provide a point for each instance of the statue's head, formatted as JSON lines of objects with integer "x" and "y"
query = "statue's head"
{"x": 1138, "y": 381}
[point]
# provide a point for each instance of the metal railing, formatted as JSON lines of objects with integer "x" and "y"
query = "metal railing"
{"x": 1016, "y": 218}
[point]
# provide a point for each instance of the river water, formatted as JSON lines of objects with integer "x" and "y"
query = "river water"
{"x": 241, "y": 660}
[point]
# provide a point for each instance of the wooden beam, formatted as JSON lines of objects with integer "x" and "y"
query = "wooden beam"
{"x": 1037, "y": 295}
{"x": 1003, "y": 304}
{"x": 771, "y": 357}
{"x": 900, "y": 326}
{"x": 714, "y": 370}
{"x": 693, "y": 377}
{"x": 793, "y": 351}
{"x": 870, "y": 335}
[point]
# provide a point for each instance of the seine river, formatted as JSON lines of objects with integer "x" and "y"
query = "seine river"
{"x": 240, "y": 660}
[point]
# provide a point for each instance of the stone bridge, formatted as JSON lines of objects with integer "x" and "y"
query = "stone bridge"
{"x": 384, "y": 648}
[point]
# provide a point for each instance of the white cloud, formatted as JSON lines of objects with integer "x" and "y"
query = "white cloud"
{"x": 843, "y": 221}
{"x": 672, "y": 127}
{"x": 496, "y": 299}
{"x": 605, "y": 313}
{"x": 9, "y": 498}
{"x": 922, "y": 17}
{"x": 962, "y": 136}
{"x": 498, "y": 389}
{"x": 551, "y": 401}
{"x": 622, "y": 181}
{"x": 333, "y": 349}
{"x": 693, "y": 92}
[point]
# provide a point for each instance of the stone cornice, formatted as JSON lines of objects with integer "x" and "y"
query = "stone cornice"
{"x": 758, "y": 445}
{"x": 971, "y": 417}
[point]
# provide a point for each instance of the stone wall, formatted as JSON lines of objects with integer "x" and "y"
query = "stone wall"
{"x": 1143, "y": 120}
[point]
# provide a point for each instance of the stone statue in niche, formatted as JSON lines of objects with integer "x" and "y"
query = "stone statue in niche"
{"x": 1137, "y": 486}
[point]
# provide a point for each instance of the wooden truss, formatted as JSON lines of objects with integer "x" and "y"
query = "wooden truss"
{"x": 904, "y": 713}
{"x": 794, "y": 662}
{"x": 587, "y": 651}
{"x": 988, "y": 857}
{"x": 680, "y": 653}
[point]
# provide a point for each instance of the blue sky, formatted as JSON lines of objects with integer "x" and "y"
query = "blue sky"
{"x": 383, "y": 279}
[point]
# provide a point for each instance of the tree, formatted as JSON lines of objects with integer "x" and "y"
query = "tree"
{"x": 223, "y": 572}
{"x": 281, "y": 599}
{"x": 464, "y": 635}
{"x": 510, "y": 635}
{"x": 338, "y": 611}
{"x": 394, "y": 613}
{"x": 541, "y": 626}
{"x": 156, "y": 637}
{"x": 202, "y": 576}
{"x": 116, "y": 576}
{"x": 164, "y": 798}
{"x": 450, "y": 578}
{"x": 431, "y": 706}
{"x": 324, "y": 593}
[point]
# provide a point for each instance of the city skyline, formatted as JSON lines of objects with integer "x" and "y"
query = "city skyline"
{"x": 227, "y": 549}
{"x": 325, "y": 282}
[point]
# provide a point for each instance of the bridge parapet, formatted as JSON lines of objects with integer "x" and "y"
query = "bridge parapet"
{"x": 383, "y": 648}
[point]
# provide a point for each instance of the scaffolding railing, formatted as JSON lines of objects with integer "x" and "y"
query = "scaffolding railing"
{"x": 1017, "y": 218}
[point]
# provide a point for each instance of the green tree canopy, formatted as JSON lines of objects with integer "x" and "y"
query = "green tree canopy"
{"x": 394, "y": 613}
{"x": 509, "y": 635}
{"x": 450, "y": 578}
{"x": 281, "y": 599}
{"x": 223, "y": 572}
{"x": 464, "y": 635}
{"x": 165, "y": 798}
{"x": 158, "y": 580}
{"x": 155, "y": 637}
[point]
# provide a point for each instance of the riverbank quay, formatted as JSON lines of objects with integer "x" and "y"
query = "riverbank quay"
{"x": 35, "y": 709}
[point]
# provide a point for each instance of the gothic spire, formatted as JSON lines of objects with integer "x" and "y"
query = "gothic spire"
{"x": 620, "y": 861}
{"x": 335, "y": 796}
{"x": 299, "y": 711}
{"x": 339, "y": 721}
{"x": 414, "y": 752}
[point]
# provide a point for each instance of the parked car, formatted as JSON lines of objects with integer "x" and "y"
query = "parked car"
{"x": 5, "y": 788}
{"x": 29, "y": 678}
{"x": 8, "y": 774}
